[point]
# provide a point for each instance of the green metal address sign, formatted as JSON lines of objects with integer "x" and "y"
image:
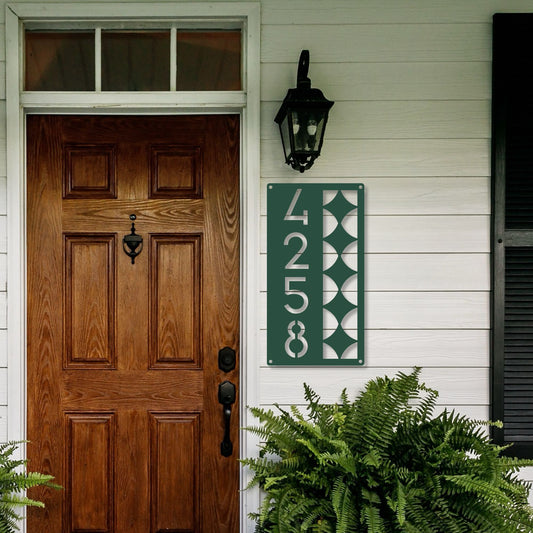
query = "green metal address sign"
{"x": 315, "y": 274}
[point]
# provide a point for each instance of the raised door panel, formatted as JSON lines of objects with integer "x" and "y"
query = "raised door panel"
{"x": 175, "y": 295}
{"x": 175, "y": 462}
{"x": 176, "y": 171}
{"x": 89, "y": 300}
{"x": 89, "y": 171}
{"x": 90, "y": 472}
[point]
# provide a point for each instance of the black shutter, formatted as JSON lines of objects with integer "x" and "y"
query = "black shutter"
{"x": 512, "y": 235}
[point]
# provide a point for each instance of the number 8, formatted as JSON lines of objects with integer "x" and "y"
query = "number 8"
{"x": 298, "y": 336}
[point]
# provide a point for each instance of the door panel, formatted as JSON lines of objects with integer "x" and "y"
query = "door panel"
{"x": 123, "y": 356}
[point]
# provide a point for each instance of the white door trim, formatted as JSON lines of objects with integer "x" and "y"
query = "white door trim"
{"x": 246, "y": 103}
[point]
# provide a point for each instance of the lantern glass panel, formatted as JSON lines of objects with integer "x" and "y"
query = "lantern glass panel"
{"x": 308, "y": 126}
{"x": 285, "y": 137}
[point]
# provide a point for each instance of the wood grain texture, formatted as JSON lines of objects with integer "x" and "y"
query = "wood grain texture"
{"x": 90, "y": 472}
{"x": 90, "y": 290}
{"x": 174, "y": 446}
{"x": 175, "y": 296}
{"x": 175, "y": 171}
{"x": 137, "y": 381}
{"x": 89, "y": 171}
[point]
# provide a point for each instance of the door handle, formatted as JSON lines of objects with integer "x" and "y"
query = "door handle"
{"x": 226, "y": 396}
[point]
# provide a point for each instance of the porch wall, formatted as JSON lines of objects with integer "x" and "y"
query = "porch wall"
{"x": 411, "y": 84}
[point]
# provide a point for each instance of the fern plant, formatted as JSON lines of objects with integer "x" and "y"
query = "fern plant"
{"x": 384, "y": 463}
{"x": 13, "y": 484}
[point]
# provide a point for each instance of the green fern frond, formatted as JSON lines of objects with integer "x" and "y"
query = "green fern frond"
{"x": 384, "y": 462}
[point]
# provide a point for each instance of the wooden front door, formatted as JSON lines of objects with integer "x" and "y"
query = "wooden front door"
{"x": 122, "y": 359}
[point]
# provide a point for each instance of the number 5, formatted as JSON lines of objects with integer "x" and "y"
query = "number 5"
{"x": 294, "y": 292}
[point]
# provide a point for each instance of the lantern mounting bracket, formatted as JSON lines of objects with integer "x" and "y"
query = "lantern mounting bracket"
{"x": 302, "y": 79}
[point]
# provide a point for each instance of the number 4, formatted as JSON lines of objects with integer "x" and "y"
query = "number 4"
{"x": 304, "y": 217}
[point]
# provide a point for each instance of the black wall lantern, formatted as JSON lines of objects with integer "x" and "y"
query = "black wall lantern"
{"x": 302, "y": 120}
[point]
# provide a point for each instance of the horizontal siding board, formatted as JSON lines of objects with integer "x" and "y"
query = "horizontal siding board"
{"x": 422, "y": 234}
{"x": 456, "y": 386}
{"x": 3, "y": 310}
{"x": 380, "y": 158}
{"x": 427, "y": 310}
{"x": 371, "y": 11}
{"x": 351, "y": 43}
{"x": 399, "y": 119}
{"x": 3, "y": 160}
{"x": 3, "y": 234}
{"x": 383, "y": 81}
{"x": 3, "y": 424}
{"x": 437, "y": 196}
{"x": 386, "y": 11}
{"x": 423, "y": 272}
{"x": 417, "y": 272}
{"x": 3, "y": 272}
{"x": 412, "y": 234}
{"x": 420, "y": 310}
{"x": 414, "y": 196}
{"x": 3, "y": 348}
{"x": 3, "y": 196}
{"x": 426, "y": 348}
{"x": 2, "y": 77}
{"x": 3, "y": 386}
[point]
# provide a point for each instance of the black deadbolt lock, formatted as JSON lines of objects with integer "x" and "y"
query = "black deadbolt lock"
{"x": 226, "y": 359}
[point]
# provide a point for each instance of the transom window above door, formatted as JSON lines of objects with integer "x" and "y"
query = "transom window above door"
{"x": 118, "y": 59}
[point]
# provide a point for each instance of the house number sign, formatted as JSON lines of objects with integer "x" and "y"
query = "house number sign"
{"x": 315, "y": 274}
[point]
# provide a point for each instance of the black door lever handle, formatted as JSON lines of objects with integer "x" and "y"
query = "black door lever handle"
{"x": 226, "y": 396}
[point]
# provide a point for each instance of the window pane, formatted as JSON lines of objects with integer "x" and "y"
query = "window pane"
{"x": 209, "y": 61}
{"x": 135, "y": 61}
{"x": 59, "y": 61}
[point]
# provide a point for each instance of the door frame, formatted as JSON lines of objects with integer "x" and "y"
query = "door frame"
{"x": 246, "y": 103}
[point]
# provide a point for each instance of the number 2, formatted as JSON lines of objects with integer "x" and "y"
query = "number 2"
{"x": 292, "y": 264}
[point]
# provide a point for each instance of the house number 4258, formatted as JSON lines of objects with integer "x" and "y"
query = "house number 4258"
{"x": 296, "y": 343}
